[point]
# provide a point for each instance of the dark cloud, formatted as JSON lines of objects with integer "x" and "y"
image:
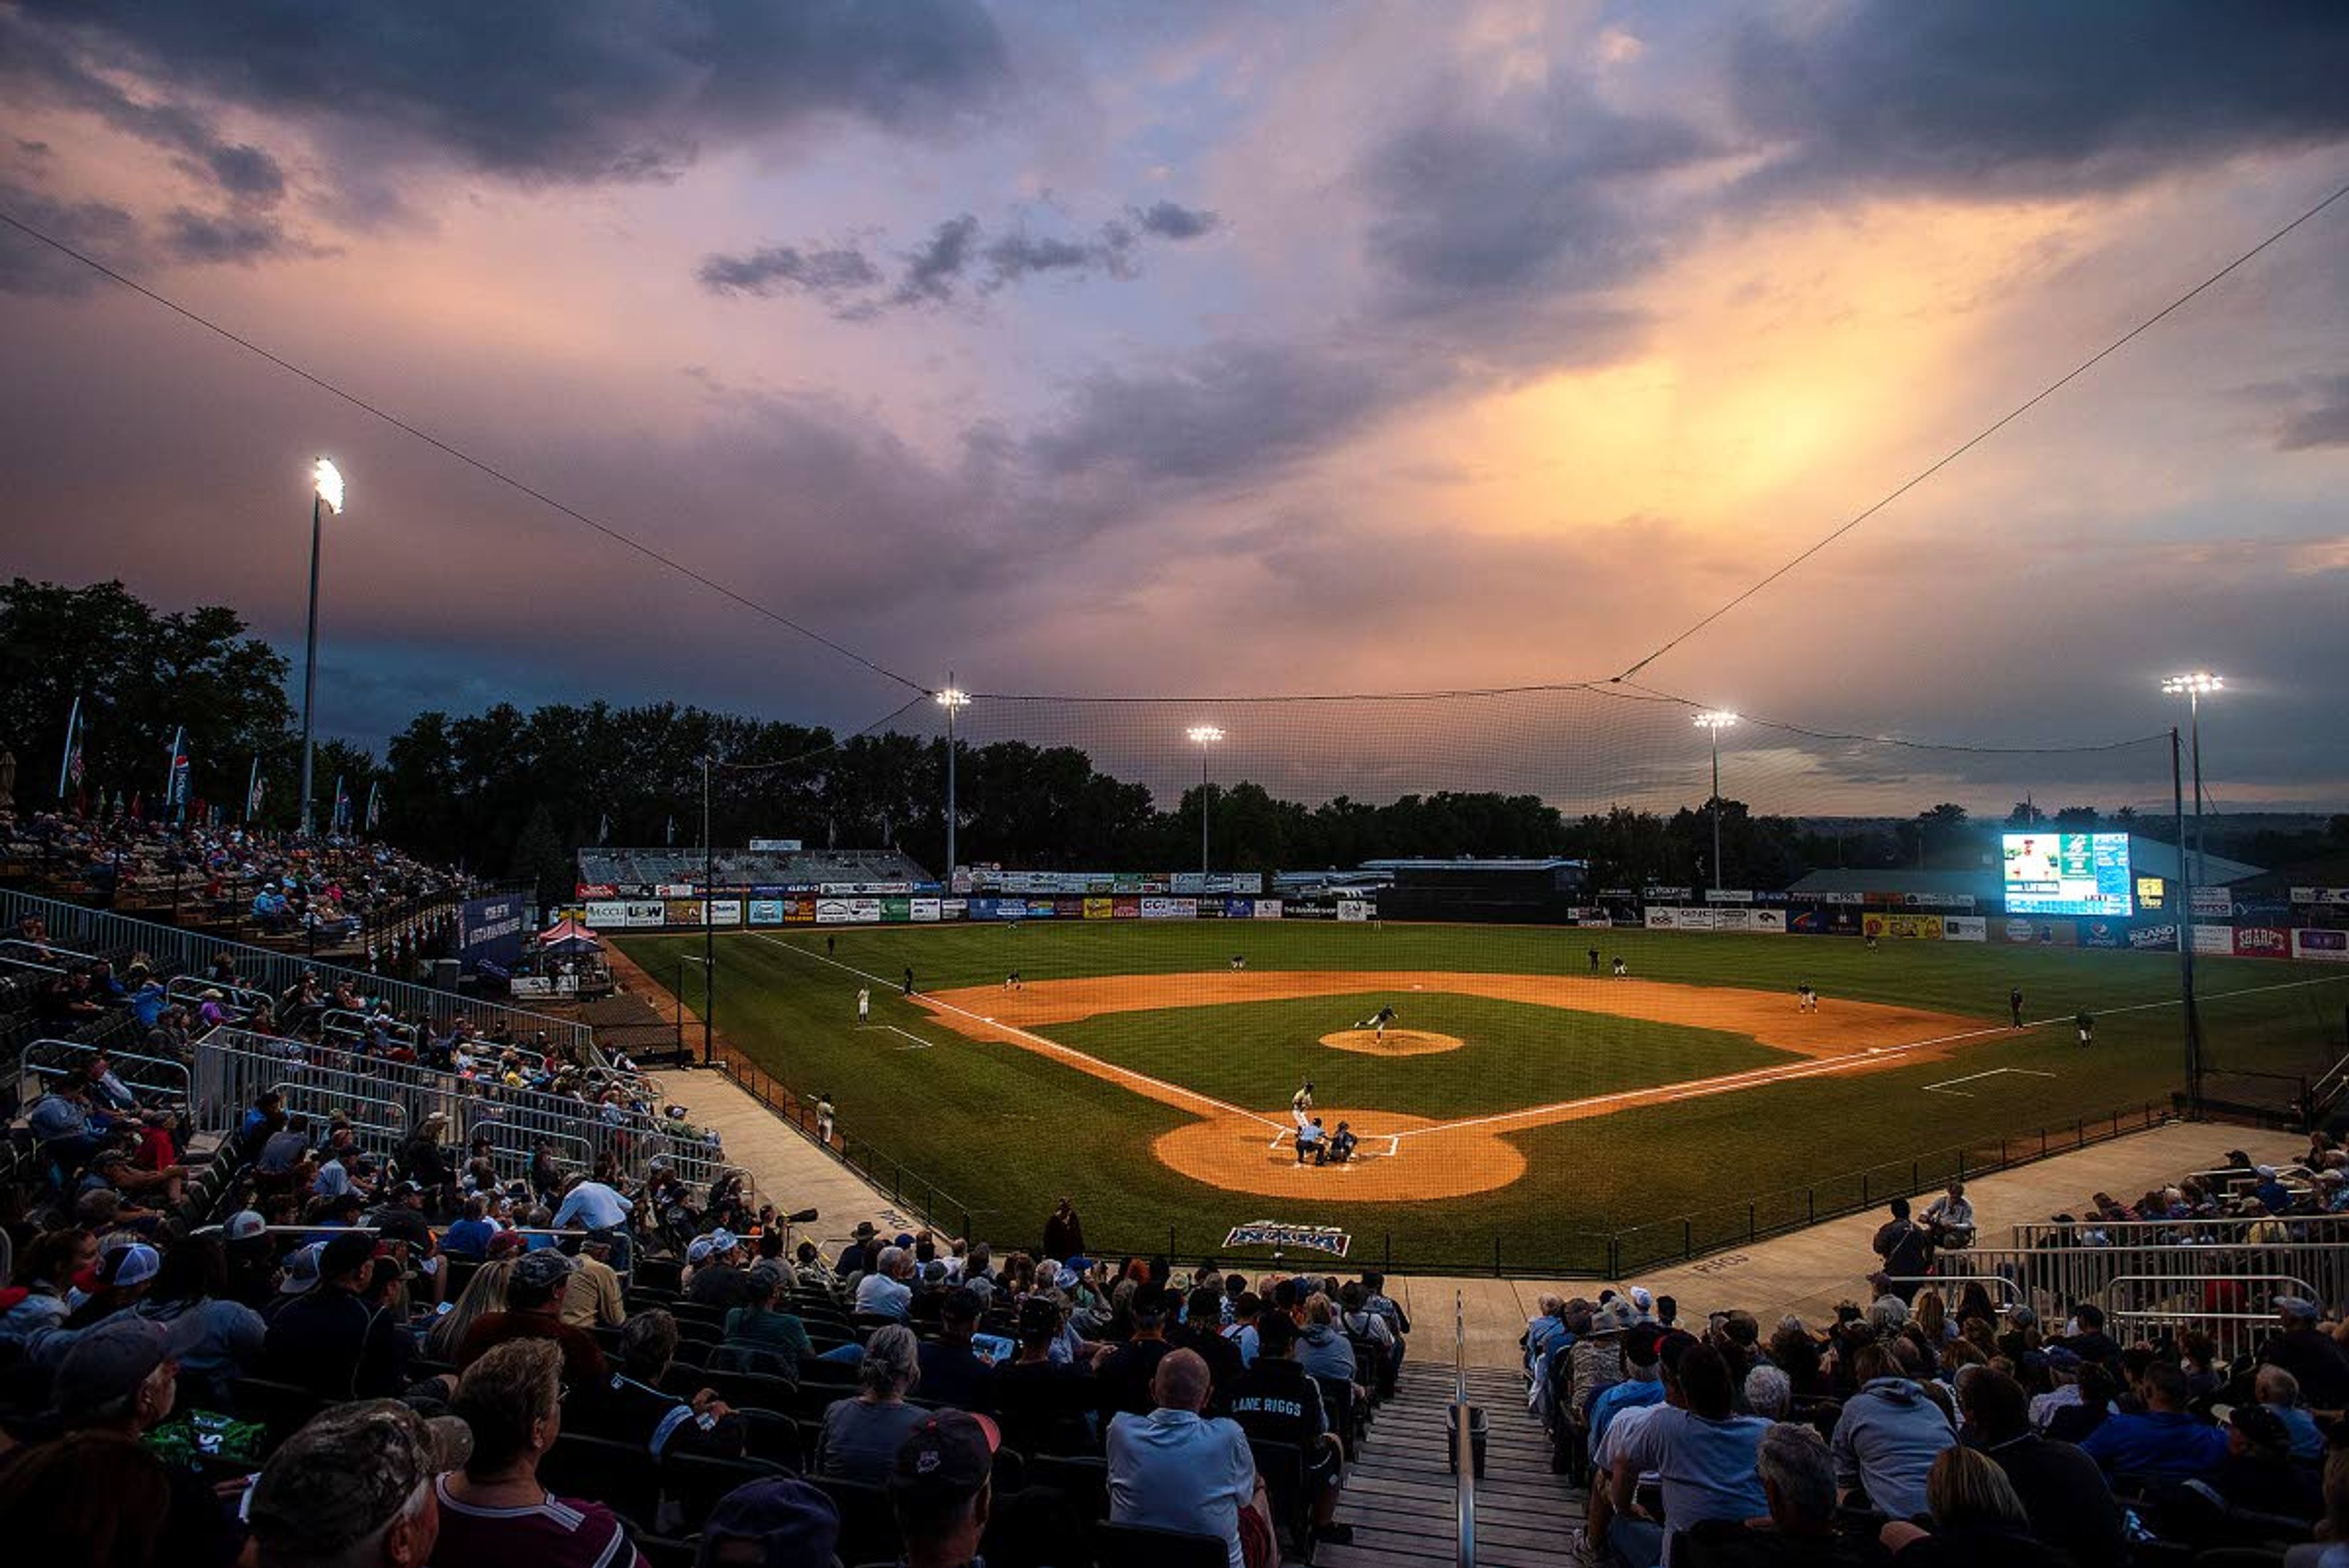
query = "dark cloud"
{"x": 28, "y": 266}
{"x": 829, "y": 273}
{"x": 2018, "y": 95}
{"x": 2324, "y": 422}
{"x": 1223, "y": 414}
{"x": 32, "y": 148}
{"x": 241, "y": 238}
{"x": 932, "y": 271}
{"x": 571, "y": 90}
{"x": 246, "y": 170}
{"x": 1173, "y": 220}
{"x": 958, "y": 253}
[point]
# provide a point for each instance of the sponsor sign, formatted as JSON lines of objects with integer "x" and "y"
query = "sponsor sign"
{"x": 1267, "y": 909}
{"x": 1353, "y": 910}
{"x": 865, "y": 912}
{"x": 647, "y": 912}
{"x": 2333, "y": 897}
{"x": 672, "y": 890}
{"x": 2323, "y": 947}
{"x": 530, "y": 985}
{"x": 1239, "y": 908}
{"x": 924, "y": 912}
{"x": 766, "y": 911}
{"x": 1729, "y": 895}
{"x": 2161, "y": 938}
{"x": 1123, "y": 907}
{"x": 897, "y": 911}
{"x": 863, "y": 889}
{"x": 2214, "y": 939}
{"x": 1272, "y": 1234}
{"x": 1732, "y": 919}
{"x": 2103, "y": 934}
{"x": 2152, "y": 893}
{"x": 2215, "y": 902}
{"x": 1197, "y": 883}
{"x": 1689, "y": 919}
{"x": 799, "y": 911}
{"x": 833, "y": 912}
{"x": 954, "y": 908}
{"x": 775, "y": 847}
{"x": 1660, "y": 917}
{"x": 1836, "y": 898}
{"x": 681, "y": 911}
{"x": 2262, "y": 941}
{"x": 1965, "y": 928}
{"x": 1663, "y": 894}
{"x": 1889, "y": 926}
{"x": 1211, "y": 908}
{"x": 489, "y": 930}
{"x": 725, "y": 911}
{"x": 608, "y": 912}
{"x": 596, "y": 890}
{"x": 1772, "y": 922}
{"x": 1158, "y": 908}
{"x": 2019, "y": 931}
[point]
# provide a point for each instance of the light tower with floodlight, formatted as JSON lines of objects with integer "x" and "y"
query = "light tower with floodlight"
{"x": 1713, "y": 723}
{"x": 1204, "y": 736}
{"x": 2192, "y": 685}
{"x": 325, "y": 495}
{"x": 952, "y": 699}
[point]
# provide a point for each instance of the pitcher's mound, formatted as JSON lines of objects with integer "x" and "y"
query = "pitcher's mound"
{"x": 1398, "y": 1042}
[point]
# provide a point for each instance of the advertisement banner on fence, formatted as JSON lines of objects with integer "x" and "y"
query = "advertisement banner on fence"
{"x": 1768, "y": 922}
{"x": 1196, "y": 883}
{"x": 596, "y": 890}
{"x": 2322, "y": 946}
{"x": 680, "y": 911}
{"x": 1353, "y": 910}
{"x": 1691, "y": 919}
{"x": 1732, "y": 919}
{"x": 766, "y": 911}
{"x": 725, "y": 911}
{"x": 2153, "y": 938}
{"x": 2021, "y": 932}
{"x": 924, "y": 911}
{"x": 1267, "y": 909}
{"x": 1158, "y": 908}
{"x": 1663, "y": 895}
{"x": 1210, "y": 909}
{"x": 489, "y": 930}
{"x": 2262, "y": 941}
{"x": 865, "y": 912}
{"x": 672, "y": 890}
{"x": 1729, "y": 895}
{"x": 2213, "y": 903}
{"x": 1239, "y": 908}
{"x": 1965, "y": 928}
{"x": 833, "y": 912}
{"x": 799, "y": 911}
{"x": 1836, "y": 898}
{"x": 2103, "y": 934}
{"x": 644, "y": 913}
{"x": 1660, "y": 917}
{"x": 1886, "y": 925}
{"x": 606, "y": 912}
{"x": 954, "y": 908}
{"x": 897, "y": 911}
{"x": 1099, "y": 909}
{"x": 1123, "y": 908}
{"x": 2220, "y": 939}
{"x": 2320, "y": 895}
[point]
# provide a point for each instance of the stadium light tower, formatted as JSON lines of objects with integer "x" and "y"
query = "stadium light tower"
{"x": 1204, "y": 737}
{"x": 2193, "y": 685}
{"x": 951, "y": 699}
{"x": 1713, "y": 724}
{"x": 325, "y": 496}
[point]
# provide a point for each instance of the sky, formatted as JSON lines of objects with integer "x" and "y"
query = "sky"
{"x": 1118, "y": 349}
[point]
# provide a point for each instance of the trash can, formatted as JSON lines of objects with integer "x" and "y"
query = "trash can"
{"x": 1476, "y": 1438}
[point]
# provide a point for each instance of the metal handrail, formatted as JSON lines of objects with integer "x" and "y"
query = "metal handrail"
{"x": 1464, "y": 1440}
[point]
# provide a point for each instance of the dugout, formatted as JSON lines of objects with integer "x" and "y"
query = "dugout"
{"x": 1533, "y": 892}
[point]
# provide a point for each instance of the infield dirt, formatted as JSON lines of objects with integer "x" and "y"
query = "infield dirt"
{"x": 1406, "y": 1158}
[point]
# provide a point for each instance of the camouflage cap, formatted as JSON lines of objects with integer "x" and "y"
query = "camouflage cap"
{"x": 348, "y": 1474}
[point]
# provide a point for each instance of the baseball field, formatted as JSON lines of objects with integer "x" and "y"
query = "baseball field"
{"x": 1518, "y": 1101}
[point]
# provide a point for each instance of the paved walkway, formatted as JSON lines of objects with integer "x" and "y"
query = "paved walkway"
{"x": 1808, "y": 1272}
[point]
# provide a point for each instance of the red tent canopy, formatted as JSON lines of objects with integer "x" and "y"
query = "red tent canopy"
{"x": 568, "y": 931}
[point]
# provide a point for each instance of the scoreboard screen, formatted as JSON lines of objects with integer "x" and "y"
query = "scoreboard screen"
{"x": 2067, "y": 874}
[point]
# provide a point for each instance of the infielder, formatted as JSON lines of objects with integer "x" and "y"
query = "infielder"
{"x": 1806, "y": 997}
{"x": 1378, "y": 1022}
{"x": 864, "y": 1004}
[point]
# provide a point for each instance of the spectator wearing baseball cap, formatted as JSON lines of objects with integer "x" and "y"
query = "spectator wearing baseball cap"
{"x": 1643, "y": 1383}
{"x": 767, "y": 1334}
{"x": 593, "y": 1295}
{"x": 353, "y": 1488}
{"x": 2309, "y": 1353}
{"x": 778, "y": 1523}
{"x": 1039, "y": 1402}
{"x": 217, "y": 1340}
{"x": 2258, "y": 1474}
{"x": 494, "y": 1514}
{"x": 941, "y": 1489}
{"x": 329, "y": 1338}
{"x": 534, "y": 1310}
{"x": 120, "y": 1378}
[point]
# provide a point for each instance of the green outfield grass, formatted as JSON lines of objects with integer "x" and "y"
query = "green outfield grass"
{"x": 1001, "y": 1132}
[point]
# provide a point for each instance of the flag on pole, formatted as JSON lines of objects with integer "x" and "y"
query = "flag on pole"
{"x": 342, "y": 816}
{"x": 604, "y": 829}
{"x": 374, "y": 804}
{"x": 138, "y": 808}
{"x": 252, "y": 790}
{"x": 70, "y": 770}
{"x": 175, "y": 782}
{"x": 671, "y": 839}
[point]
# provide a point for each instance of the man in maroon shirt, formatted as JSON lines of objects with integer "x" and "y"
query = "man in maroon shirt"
{"x": 534, "y": 1311}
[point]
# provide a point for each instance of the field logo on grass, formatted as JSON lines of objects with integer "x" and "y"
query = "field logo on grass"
{"x": 1304, "y": 1237}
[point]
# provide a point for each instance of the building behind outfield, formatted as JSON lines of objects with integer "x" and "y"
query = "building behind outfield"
{"x": 1546, "y": 891}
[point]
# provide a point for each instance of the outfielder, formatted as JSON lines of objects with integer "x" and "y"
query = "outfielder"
{"x": 864, "y": 1004}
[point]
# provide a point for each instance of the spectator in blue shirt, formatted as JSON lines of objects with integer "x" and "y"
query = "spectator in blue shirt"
{"x": 1643, "y": 1381}
{"x": 470, "y": 1236}
{"x": 2166, "y": 1442}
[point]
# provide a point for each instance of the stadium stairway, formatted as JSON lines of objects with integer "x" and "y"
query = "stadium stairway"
{"x": 1399, "y": 1496}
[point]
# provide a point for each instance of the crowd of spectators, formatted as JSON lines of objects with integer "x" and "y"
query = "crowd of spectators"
{"x": 1937, "y": 1431}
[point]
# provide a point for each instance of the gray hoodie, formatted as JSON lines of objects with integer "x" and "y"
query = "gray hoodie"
{"x": 1326, "y": 1354}
{"x": 1886, "y": 1441}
